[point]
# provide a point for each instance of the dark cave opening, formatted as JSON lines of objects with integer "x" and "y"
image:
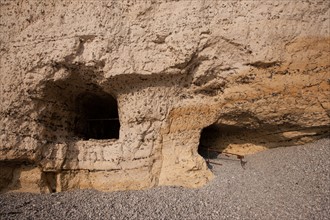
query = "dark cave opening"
{"x": 208, "y": 137}
{"x": 97, "y": 116}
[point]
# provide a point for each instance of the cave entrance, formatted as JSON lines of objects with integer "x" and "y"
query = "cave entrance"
{"x": 209, "y": 137}
{"x": 96, "y": 116}
{"x": 216, "y": 138}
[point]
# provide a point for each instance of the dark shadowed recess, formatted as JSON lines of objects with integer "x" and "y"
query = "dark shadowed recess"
{"x": 220, "y": 136}
{"x": 77, "y": 107}
{"x": 97, "y": 116}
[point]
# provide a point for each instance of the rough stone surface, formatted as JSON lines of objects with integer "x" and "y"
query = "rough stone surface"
{"x": 256, "y": 72}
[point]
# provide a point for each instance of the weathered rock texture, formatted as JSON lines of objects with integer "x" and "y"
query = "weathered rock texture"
{"x": 241, "y": 76}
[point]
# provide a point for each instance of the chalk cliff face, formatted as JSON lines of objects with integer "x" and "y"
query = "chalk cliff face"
{"x": 118, "y": 95}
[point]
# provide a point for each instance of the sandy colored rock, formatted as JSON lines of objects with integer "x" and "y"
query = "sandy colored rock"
{"x": 119, "y": 95}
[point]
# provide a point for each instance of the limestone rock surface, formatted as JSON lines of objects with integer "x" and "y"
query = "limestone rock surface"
{"x": 118, "y": 95}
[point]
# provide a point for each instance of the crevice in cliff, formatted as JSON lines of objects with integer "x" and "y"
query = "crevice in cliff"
{"x": 49, "y": 181}
{"x": 264, "y": 65}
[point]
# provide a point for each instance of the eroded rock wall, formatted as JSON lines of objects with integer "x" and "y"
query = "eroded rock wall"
{"x": 241, "y": 76}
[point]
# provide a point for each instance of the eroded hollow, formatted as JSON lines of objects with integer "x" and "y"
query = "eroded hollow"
{"x": 221, "y": 137}
{"x": 208, "y": 140}
{"x": 97, "y": 116}
{"x": 248, "y": 140}
{"x": 49, "y": 179}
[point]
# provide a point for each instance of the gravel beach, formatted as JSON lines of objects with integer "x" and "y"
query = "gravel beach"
{"x": 282, "y": 183}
